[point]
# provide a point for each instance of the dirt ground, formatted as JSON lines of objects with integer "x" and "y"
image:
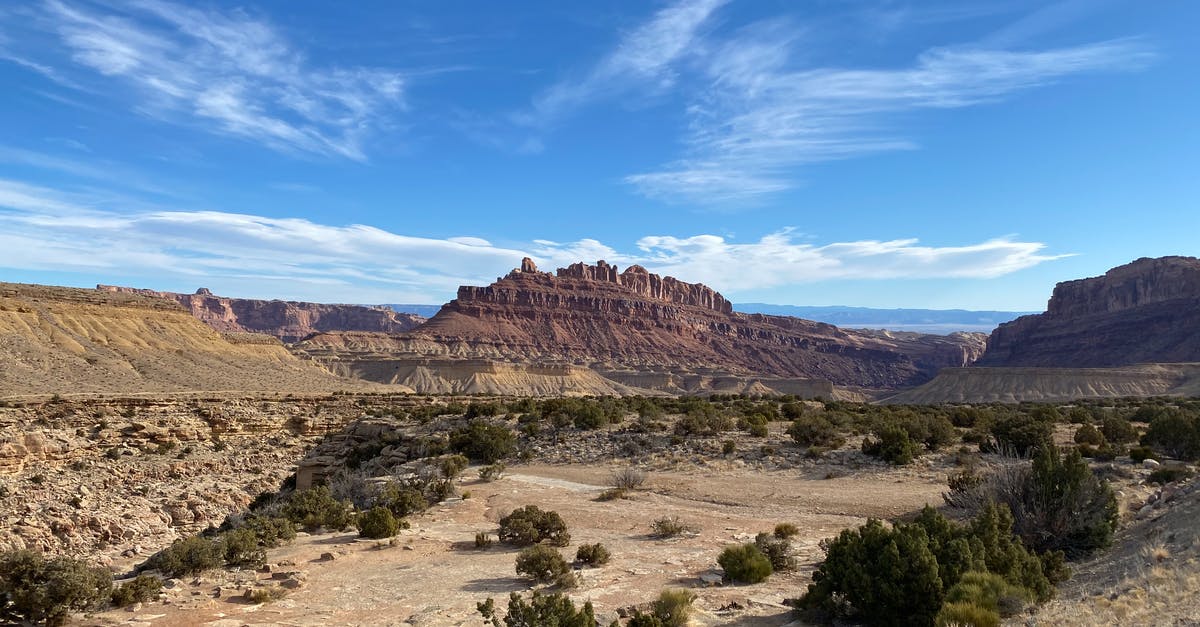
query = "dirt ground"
{"x": 434, "y": 575}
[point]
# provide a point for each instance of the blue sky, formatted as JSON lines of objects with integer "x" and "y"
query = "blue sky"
{"x": 871, "y": 153}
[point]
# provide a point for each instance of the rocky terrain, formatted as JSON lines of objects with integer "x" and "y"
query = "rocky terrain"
{"x": 117, "y": 479}
{"x": 287, "y": 320}
{"x": 647, "y": 327}
{"x": 1147, "y": 311}
{"x": 74, "y": 341}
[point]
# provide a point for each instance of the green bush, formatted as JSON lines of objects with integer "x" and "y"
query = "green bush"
{"x": 671, "y": 526}
{"x": 965, "y": 614}
{"x": 704, "y": 419}
{"x": 403, "y": 500}
{"x": 140, "y": 589}
{"x": 1021, "y": 434}
{"x": 239, "y": 547}
{"x": 1064, "y": 506}
{"x": 451, "y": 466}
{"x": 543, "y": 565}
{"x": 315, "y": 508}
{"x": 989, "y": 591}
{"x": 759, "y": 431}
{"x": 530, "y": 525}
{"x": 1176, "y": 432}
{"x": 188, "y": 556}
{"x": 1118, "y": 430}
{"x": 893, "y": 444}
{"x": 815, "y": 430}
{"x": 484, "y": 442}
{"x": 672, "y": 608}
{"x": 745, "y": 563}
{"x": 378, "y": 522}
{"x": 778, "y": 551}
{"x": 592, "y": 554}
{"x": 542, "y": 610}
{"x": 271, "y": 531}
{"x": 34, "y": 589}
{"x": 1087, "y": 434}
{"x": 1140, "y": 454}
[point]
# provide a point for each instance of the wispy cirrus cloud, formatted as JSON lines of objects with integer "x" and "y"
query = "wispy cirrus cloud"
{"x": 760, "y": 118}
{"x": 252, "y": 255}
{"x": 645, "y": 56}
{"x": 227, "y": 72}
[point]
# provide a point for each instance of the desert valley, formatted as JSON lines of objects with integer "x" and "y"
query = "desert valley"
{"x": 230, "y": 462}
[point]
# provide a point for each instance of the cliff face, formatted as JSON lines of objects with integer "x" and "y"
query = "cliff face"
{"x": 596, "y": 316}
{"x": 1147, "y": 311}
{"x": 286, "y": 320}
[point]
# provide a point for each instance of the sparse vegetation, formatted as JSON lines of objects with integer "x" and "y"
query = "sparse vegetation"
{"x": 140, "y": 589}
{"x": 672, "y": 608}
{"x": 541, "y": 610}
{"x": 628, "y": 478}
{"x": 492, "y": 472}
{"x": 671, "y": 526}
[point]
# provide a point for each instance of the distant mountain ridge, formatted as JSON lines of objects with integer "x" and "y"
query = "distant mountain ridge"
{"x": 425, "y": 311}
{"x": 939, "y": 321}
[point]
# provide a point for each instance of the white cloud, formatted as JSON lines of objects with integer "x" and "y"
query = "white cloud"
{"x": 228, "y": 72}
{"x": 759, "y": 118}
{"x": 250, "y": 255}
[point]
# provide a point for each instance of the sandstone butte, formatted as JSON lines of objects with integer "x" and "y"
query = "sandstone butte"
{"x": 287, "y": 320}
{"x": 637, "y": 329}
{"x": 1131, "y": 332}
{"x": 1147, "y": 311}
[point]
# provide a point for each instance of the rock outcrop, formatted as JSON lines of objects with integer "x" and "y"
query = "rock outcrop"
{"x": 1147, "y": 311}
{"x": 1052, "y": 385}
{"x": 597, "y": 317}
{"x": 287, "y": 320}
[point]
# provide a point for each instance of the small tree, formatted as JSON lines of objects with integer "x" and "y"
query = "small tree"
{"x": 484, "y": 442}
{"x": 378, "y": 522}
{"x": 38, "y": 590}
{"x": 531, "y": 525}
{"x": 542, "y": 610}
{"x": 544, "y": 565}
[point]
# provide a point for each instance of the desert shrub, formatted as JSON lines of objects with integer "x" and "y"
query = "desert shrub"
{"x": 267, "y": 594}
{"x": 1087, "y": 434}
{"x": 483, "y": 441}
{"x": 315, "y": 508}
{"x": 482, "y": 540}
{"x": 969, "y": 417}
{"x": 543, "y": 564}
{"x": 188, "y": 556}
{"x": 1023, "y": 434}
{"x": 627, "y": 478}
{"x": 815, "y": 430}
{"x": 485, "y": 410}
{"x": 728, "y": 447}
{"x": 451, "y": 466}
{"x": 542, "y": 610}
{"x": 271, "y": 531}
{"x": 613, "y": 494}
{"x": 34, "y": 589}
{"x": 745, "y": 563}
{"x": 892, "y": 444}
{"x": 931, "y": 430}
{"x": 672, "y": 608}
{"x": 592, "y": 554}
{"x": 1079, "y": 416}
{"x": 792, "y": 410}
{"x": 778, "y": 551}
{"x": 492, "y": 472}
{"x": 671, "y": 526}
{"x": 378, "y": 522}
{"x": 239, "y": 547}
{"x": 759, "y": 431}
{"x": 1166, "y": 474}
{"x": 1175, "y": 432}
{"x": 531, "y": 525}
{"x": 966, "y": 614}
{"x": 786, "y": 531}
{"x": 140, "y": 589}
{"x": 403, "y": 500}
{"x": 1056, "y": 503}
{"x": 1140, "y": 454}
{"x": 1118, "y": 430}
{"x": 704, "y": 419}
{"x": 900, "y": 575}
{"x": 988, "y": 591}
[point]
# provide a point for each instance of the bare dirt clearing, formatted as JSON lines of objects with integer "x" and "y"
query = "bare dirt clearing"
{"x": 434, "y": 575}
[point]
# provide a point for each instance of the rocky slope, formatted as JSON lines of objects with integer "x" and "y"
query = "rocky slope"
{"x": 1147, "y": 311}
{"x": 289, "y": 321}
{"x": 1016, "y": 384}
{"x": 596, "y": 317}
{"x": 70, "y": 341}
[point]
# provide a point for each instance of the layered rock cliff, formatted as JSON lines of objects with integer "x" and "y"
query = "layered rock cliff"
{"x": 611, "y": 321}
{"x": 1147, "y": 311}
{"x": 287, "y": 320}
